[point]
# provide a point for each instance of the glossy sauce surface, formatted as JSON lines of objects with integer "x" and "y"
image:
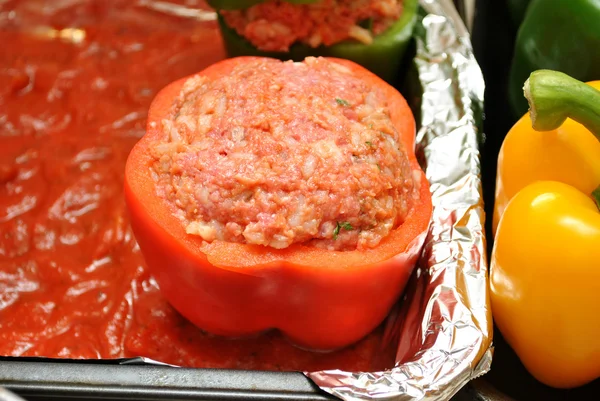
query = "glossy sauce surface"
{"x": 76, "y": 80}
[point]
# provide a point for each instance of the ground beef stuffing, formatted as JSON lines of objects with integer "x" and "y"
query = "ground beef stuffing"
{"x": 275, "y": 25}
{"x": 277, "y": 153}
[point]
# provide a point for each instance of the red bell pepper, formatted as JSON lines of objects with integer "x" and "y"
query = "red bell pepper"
{"x": 320, "y": 299}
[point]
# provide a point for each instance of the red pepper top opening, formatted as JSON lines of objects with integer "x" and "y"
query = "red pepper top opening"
{"x": 225, "y": 279}
{"x": 264, "y": 156}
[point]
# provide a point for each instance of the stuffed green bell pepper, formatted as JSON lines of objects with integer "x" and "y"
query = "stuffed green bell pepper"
{"x": 373, "y": 33}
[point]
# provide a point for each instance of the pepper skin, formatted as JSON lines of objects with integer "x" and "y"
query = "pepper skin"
{"x": 320, "y": 299}
{"x": 545, "y": 274}
{"x": 517, "y": 10}
{"x": 383, "y": 57}
{"x": 562, "y": 35}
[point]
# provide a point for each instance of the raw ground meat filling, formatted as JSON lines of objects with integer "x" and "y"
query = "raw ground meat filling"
{"x": 276, "y": 25}
{"x": 278, "y": 153}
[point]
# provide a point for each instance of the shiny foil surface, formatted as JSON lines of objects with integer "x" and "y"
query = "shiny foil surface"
{"x": 444, "y": 326}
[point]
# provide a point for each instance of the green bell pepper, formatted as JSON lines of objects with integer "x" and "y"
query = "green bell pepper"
{"x": 383, "y": 57}
{"x": 517, "y": 9}
{"x": 562, "y": 35}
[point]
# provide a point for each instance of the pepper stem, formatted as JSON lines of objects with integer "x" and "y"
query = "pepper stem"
{"x": 553, "y": 97}
{"x": 596, "y": 197}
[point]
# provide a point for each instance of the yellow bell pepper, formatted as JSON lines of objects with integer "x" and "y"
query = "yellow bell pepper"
{"x": 545, "y": 265}
{"x": 570, "y": 154}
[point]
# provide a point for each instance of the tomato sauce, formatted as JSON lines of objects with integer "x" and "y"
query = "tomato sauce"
{"x": 76, "y": 80}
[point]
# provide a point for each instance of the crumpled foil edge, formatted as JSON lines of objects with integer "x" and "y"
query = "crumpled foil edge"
{"x": 444, "y": 327}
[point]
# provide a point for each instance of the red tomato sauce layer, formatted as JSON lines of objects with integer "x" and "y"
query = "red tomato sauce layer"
{"x": 76, "y": 81}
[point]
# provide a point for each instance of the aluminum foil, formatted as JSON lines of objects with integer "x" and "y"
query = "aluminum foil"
{"x": 444, "y": 325}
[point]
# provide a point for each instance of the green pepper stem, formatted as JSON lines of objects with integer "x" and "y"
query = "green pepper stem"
{"x": 553, "y": 97}
{"x": 596, "y": 196}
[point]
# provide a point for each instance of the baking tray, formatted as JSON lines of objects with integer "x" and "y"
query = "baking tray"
{"x": 34, "y": 378}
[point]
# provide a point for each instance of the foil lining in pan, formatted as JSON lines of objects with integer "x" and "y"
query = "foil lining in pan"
{"x": 444, "y": 327}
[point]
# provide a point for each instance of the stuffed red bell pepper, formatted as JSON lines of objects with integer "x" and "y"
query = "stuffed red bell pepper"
{"x": 287, "y": 195}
